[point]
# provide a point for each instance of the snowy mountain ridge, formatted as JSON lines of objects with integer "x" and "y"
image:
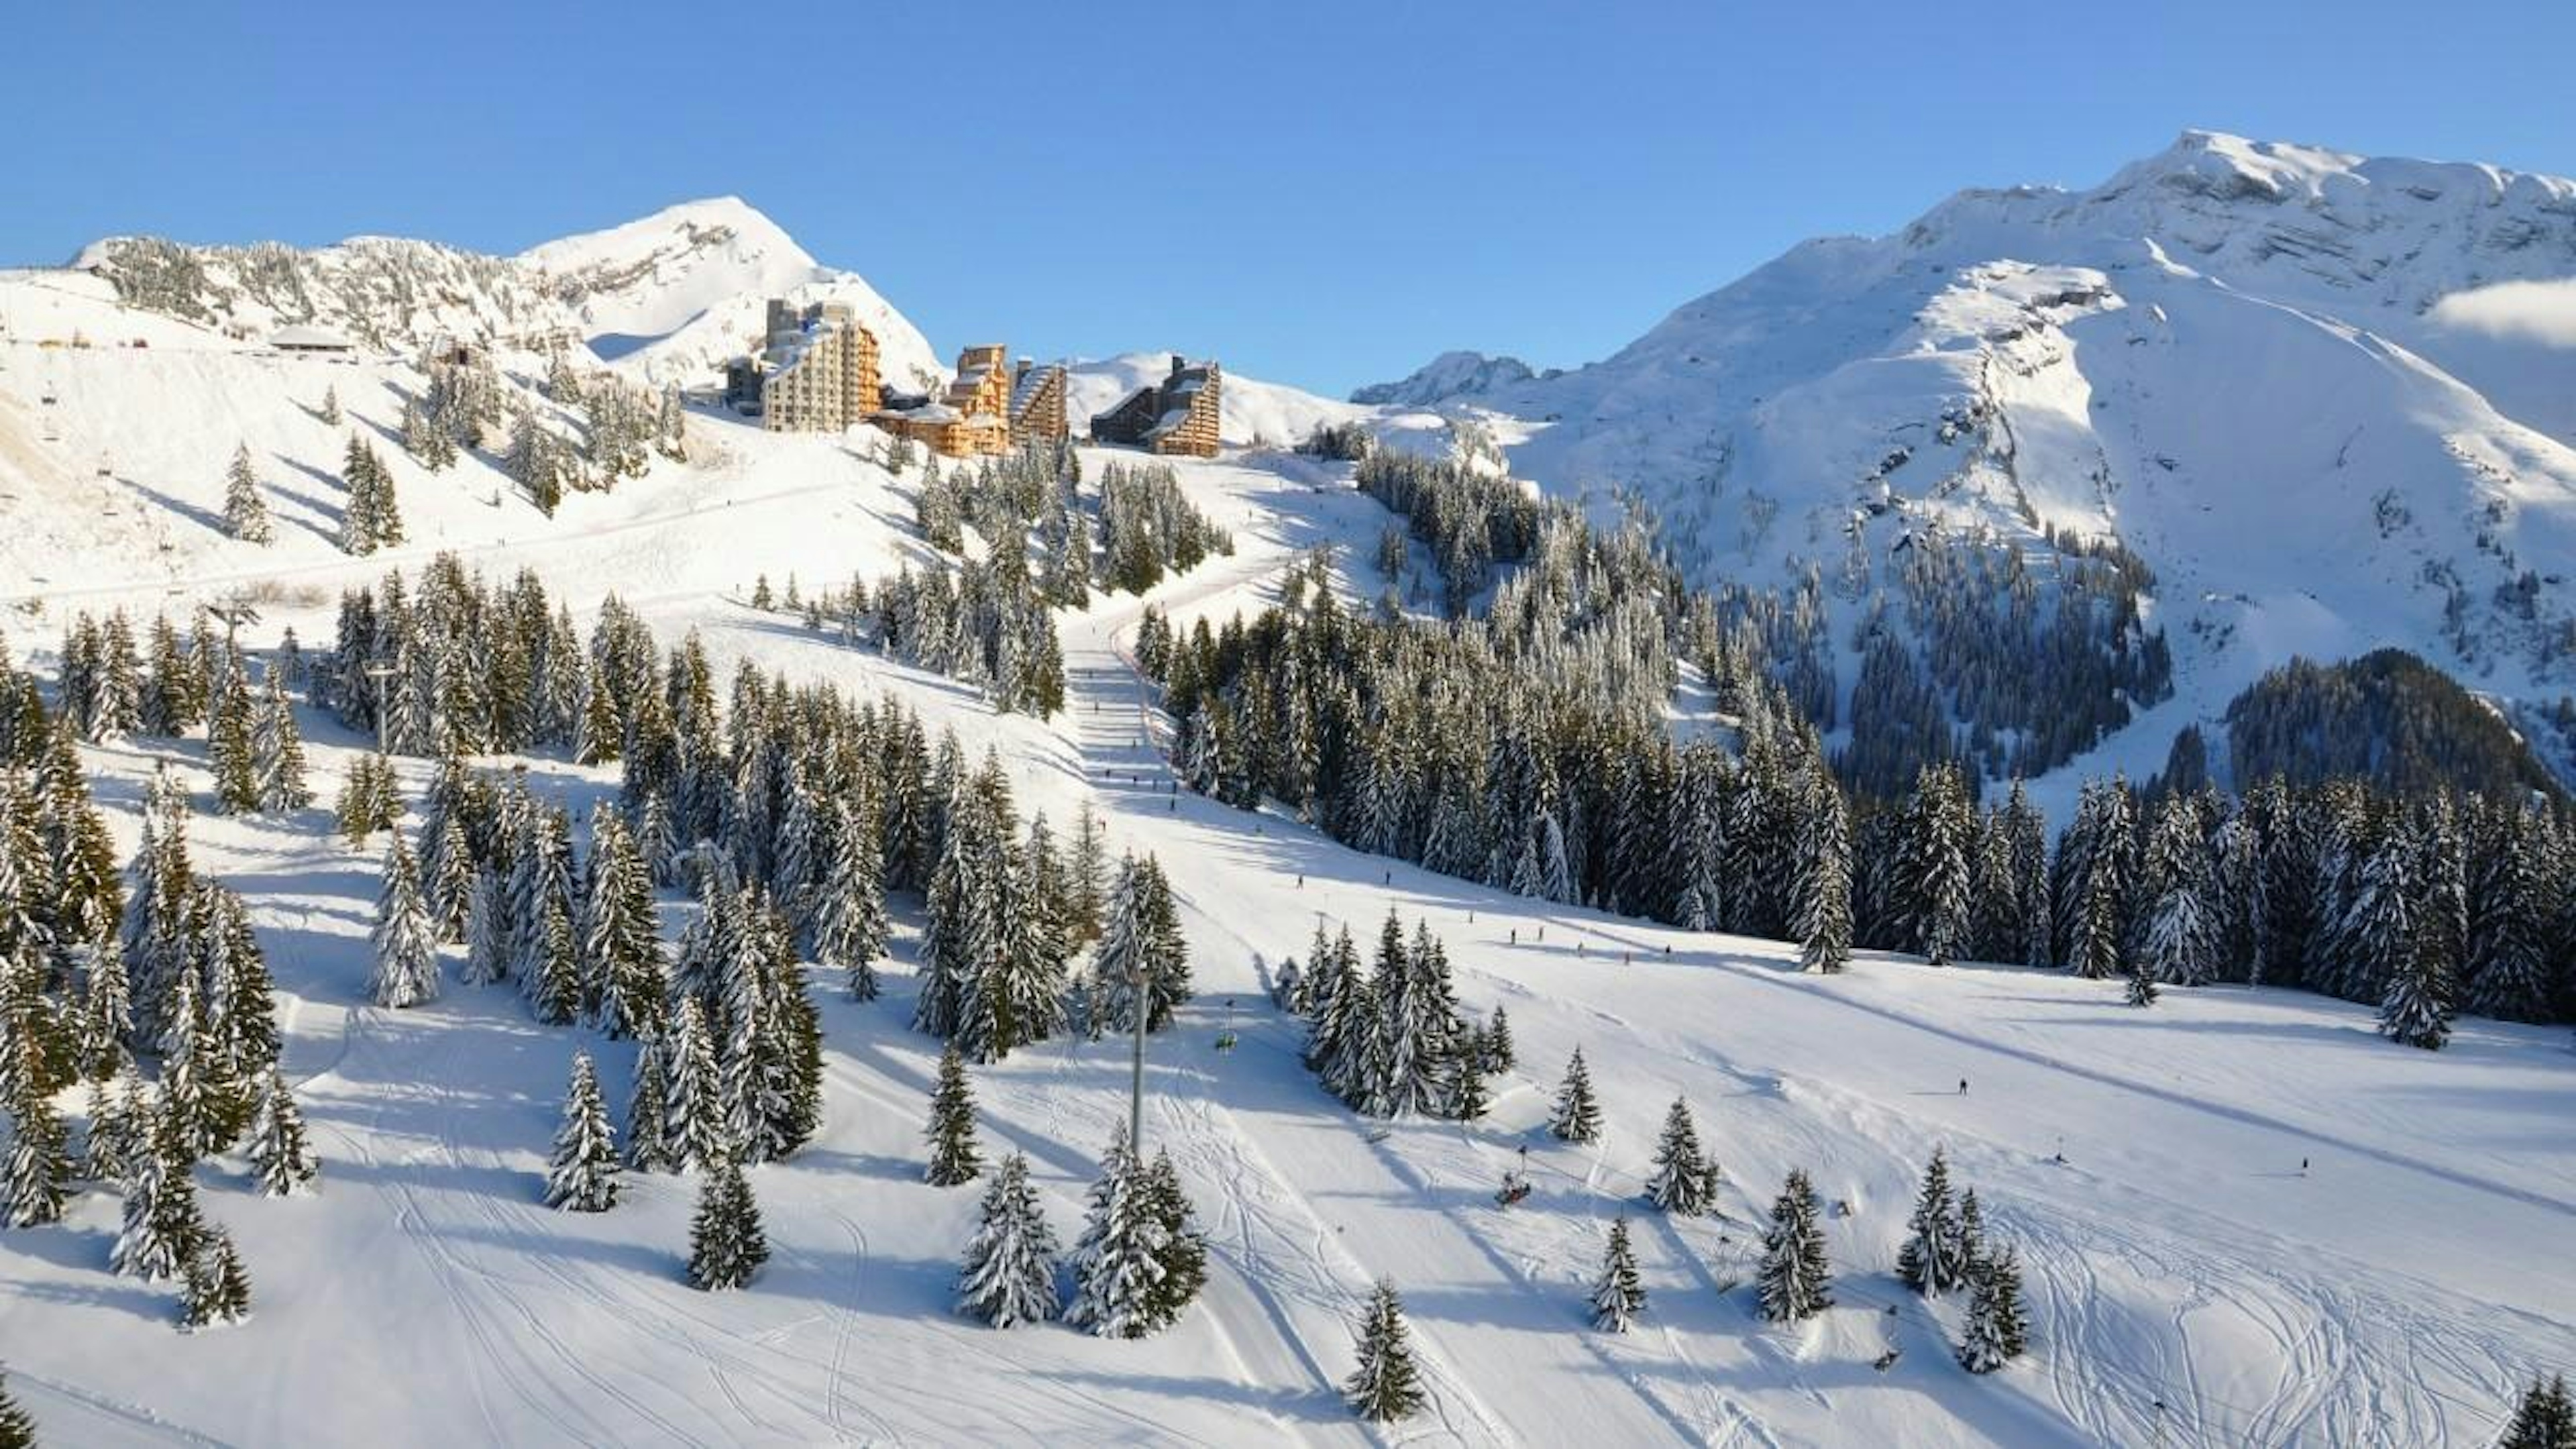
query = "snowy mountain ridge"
{"x": 2297, "y": 385}
{"x": 666, "y": 297}
{"x": 1451, "y": 375}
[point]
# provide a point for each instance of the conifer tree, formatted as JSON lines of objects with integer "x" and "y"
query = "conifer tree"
{"x": 726, "y": 1243}
{"x": 229, "y": 752}
{"x": 555, "y": 980}
{"x": 162, "y": 1230}
{"x": 245, "y": 512}
{"x": 1824, "y": 913}
{"x": 1577, "y": 1117}
{"x": 581, "y": 1177}
{"x": 113, "y": 1143}
{"x": 406, "y": 941}
{"x": 1119, "y": 1257}
{"x": 1387, "y": 1386}
{"x": 953, "y": 1157}
{"x": 2142, "y": 981}
{"x": 1972, "y": 1234}
{"x": 17, "y": 1427}
{"x": 331, "y": 406}
{"x": 1499, "y": 1054}
{"x": 1796, "y": 1283}
{"x": 277, "y": 752}
{"x": 1183, "y": 1259}
{"x": 850, "y": 925}
{"x": 1997, "y": 1330}
{"x": 2544, "y": 1419}
{"x": 1684, "y": 1182}
{"x": 1934, "y": 1258}
{"x": 648, "y": 1112}
{"x": 696, "y": 1132}
{"x": 2421, "y": 997}
{"x": 1617, "y": 1295}
{"x": 1009, "y": 1273}
{"x": 39, "y": 1169}
{"x": 281, "y": 1158}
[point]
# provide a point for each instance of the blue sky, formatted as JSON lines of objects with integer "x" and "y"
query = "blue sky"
{"x": 1320, "y": 193}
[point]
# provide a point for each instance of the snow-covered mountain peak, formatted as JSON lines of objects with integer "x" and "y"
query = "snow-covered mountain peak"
{"x": 1450, "y": 375}
{"x": 650, "y": 276}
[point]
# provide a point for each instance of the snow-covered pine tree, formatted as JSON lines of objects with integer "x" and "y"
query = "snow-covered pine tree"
{"x": 1933, "y": 870}
{"x": 1577, "y": 1116}
{"x": 726, "y": 1242}
{"x": 1009, "y": 1273}
{"x": 229, "y": 753}
{"x": 277, "y": 752}
{"x": 2181, "y": 947}
{"x": 161, "y": 1230}
{"x": 245, "y": 512}
{"x": 2142, "y": 980}
{"x": 214, "y": 1287}
{"x": 2421, "y": 996}
{"x": 1684, "y": 1181}
{"x": 1997, "y": 1330}
{"x": 1972, "y": 1233}
{"x": 1183, "y": 1258}
{"x": 406, "y": 940}
{"x": 696, "y": 1133}
{"x": 2545, "y": 1418}
{"x": 1618, "y": 1295}
{"x": 581, "y": 1177}
{"x": 951, "y": 1133}
{"x": 554, "y": 976}
{"x": 1934, "y": 1258}
{"x": 1824, "y": 908}
{"x": 1499, "y": 1053}
{"x": 114, "y": 1141}
{"x": 281, "y": 1158}
{"x": 648, "y": 1112}
{"x": 1387, "y": 1386}
{"x": 1119, "y": 1257}
{"x": 39, "y": 1169}
{"x": 1796, "y": 1282}
{"x": 850, "y": 925}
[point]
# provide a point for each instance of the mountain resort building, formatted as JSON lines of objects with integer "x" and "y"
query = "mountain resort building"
{"x": 1176, "y": 415}
{"x": 816, "y": 371}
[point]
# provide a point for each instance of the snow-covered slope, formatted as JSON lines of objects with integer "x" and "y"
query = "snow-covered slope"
{"x": 2187, "y": 1282}
{"x": 2300, "y": 385}
{"x": 674, "y": 294}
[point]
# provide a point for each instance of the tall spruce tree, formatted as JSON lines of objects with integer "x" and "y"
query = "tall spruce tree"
{"x": 1796, "y": 1283}
{"x": 581, "y": 1176}
{"x": 406, "y": 939}
{"x": 1934, "y": 1258}
{"x": 727, "y": 1244}
{"x": 1684, "y": 1181}
{"x": 1387, "y": 1386}
{"x": 1997, "y": 1330}
{"x": 281, "y": 1158}
{"x": 953, "y": 1155}
{"x": 2544, "y": 1419}
{"x": 1618, "y": 1295}
{"x": 1009, "y": 1274}
{"x": 245, "y": 512}
{"x": 1576, "y": 1116}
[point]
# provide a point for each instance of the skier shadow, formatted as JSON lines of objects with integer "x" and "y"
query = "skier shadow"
{"x": 1306, "y": 1405}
